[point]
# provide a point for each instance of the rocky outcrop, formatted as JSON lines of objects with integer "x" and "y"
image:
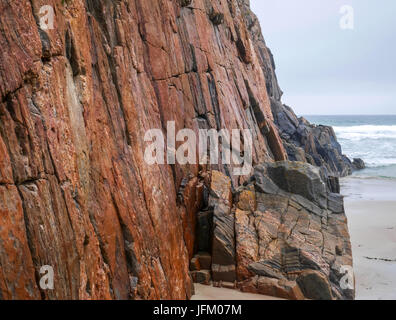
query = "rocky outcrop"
{"x": 291, "y": 234}
{"x": 316, "y": 145}
{"x": 303, "y": 141}
{"x": 309, "y": 143}
{"x": 358, "y": 164}
{"x": 75, "y": 192}
{"x": 283, "y": 233}
{"x": 76, "y": 101}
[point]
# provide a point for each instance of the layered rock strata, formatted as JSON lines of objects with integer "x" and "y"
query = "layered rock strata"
{"x": 309, "y": 143}
{"x": 292, "y": 234}
{"x": 283, "y": 233}
{"x": 76, "y": 102}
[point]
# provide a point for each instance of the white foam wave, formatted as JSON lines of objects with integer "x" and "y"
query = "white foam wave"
{"x": 380, "y": 162}
{"x": 356, "y": 133}
{"x": 359, "y": 176}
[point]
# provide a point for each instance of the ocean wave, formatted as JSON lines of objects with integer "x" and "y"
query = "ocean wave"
{"x": 366, "y": 128}
{"x": 356, "y": 133}
{"x": 358, "y": 176}
{"x": 380, "y": 162}
{"x": 372, "y": 139}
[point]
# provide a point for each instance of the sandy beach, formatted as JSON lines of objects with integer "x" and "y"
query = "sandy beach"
{"x": 371, "y": 209}
{"x": 211, "y": 293}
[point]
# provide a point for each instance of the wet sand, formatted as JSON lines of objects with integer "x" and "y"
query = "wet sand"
{"x": 371, "y": 209}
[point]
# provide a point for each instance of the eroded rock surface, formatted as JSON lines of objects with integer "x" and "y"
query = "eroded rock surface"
{"x": 284, "y": 233}
{"x": 315, "y": 144}
{"x": 291, "y": 238}
{"x": 75, "y": 191}
{"x": 76, "y": 101}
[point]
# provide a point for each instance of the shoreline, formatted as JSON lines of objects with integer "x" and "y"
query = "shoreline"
{"x": 370, "y": 205}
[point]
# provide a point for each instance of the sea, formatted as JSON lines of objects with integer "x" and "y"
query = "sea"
{"x": 369, "y": 137}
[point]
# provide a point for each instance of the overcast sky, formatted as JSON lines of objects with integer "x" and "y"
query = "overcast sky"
{"x": 324, "y": 69}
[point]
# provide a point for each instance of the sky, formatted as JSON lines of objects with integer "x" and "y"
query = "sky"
{"x": 325, "y": 69}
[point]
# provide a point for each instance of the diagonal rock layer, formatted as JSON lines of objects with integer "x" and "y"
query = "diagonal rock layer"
{"x": 77, "y": 195}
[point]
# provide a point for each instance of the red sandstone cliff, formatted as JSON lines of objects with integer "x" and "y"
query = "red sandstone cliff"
{"x": 76, "y": 101}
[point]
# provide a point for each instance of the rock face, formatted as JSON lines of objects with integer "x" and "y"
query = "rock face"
{"x": 76, "y": 102}
{"x": 223, "y": 243}
{"x": 283, "y": 233}
{"x": 291, "y": 234}
{"x": 75, "y": 191}
{"x": 309, "y": 143}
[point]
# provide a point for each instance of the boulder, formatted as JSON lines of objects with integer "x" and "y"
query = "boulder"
{"x": 335, "y": 203}
{"x": 220, "y": 189}
{"x": 247, "y": 200}
{"x": 358, "y": 164}
{"x": 298, "y": 178}
{"x": 202, "y": 277}
{"x": 272, "y": 287}
{"x": 319, "y": 143}
{"x": 195, "y": 265}
{"x": 315, "y": 285}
